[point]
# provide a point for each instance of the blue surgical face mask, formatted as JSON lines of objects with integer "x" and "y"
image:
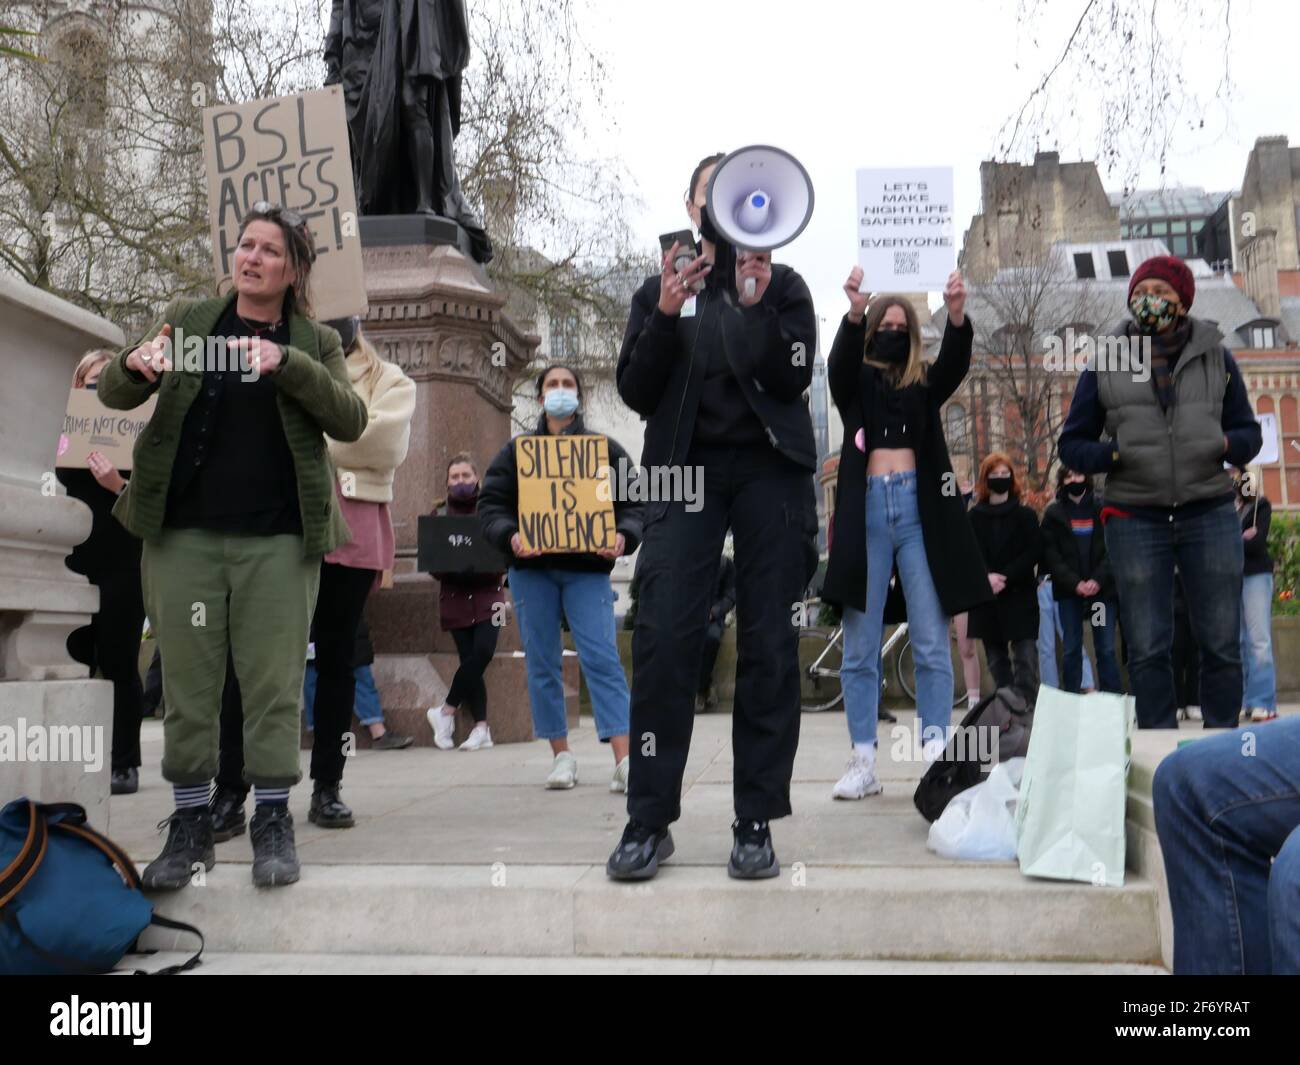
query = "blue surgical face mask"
{"x": 560, "y": 402}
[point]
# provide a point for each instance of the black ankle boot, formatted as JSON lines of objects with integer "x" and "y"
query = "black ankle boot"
{"x": 227, "y": 812}
{"x": 189, "y": 845}
{"x": 275, "y": 857}
{"x": 327, "y": 809}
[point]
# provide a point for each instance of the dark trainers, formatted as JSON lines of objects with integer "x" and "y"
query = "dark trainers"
{"x": 124, "y": 781}
{"x": 188, "y": 846}
{"x": 639, "y": 852}
{"x": 275, "y": 858}
{"x": 752, "y": 857}
{"x": 391, "y": 741}
{"x": 327, "y": 809}
{"x": 226, "y": 809}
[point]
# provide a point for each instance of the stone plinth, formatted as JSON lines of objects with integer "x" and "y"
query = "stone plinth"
{"x": 435, "y": 314}
{"x": 41, "y": 600}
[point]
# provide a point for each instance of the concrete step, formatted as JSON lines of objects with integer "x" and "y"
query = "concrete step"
{"x": 988, "y": 913}
{"x": 218, "y": 964}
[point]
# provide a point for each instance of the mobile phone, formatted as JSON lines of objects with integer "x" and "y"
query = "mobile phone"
{"x": 685, "y": 253}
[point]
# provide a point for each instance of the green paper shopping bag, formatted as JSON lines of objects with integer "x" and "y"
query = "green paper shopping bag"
{"x": 1070, "y": 817}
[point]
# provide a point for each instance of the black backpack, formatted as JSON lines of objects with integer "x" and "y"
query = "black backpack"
{"x": 961, "y": 767}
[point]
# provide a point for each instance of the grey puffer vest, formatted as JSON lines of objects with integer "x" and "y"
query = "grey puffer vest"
{"x": 1168, "y": 458}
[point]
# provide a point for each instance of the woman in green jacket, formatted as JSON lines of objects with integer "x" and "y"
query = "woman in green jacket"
{"x": 233, "y": 495}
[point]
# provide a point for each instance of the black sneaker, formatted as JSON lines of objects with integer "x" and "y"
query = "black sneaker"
{"x": 752, "y": 857}
{"x": 327, "y": 809}
{"x": 391, "y": 741}
{"x": 189, "y": 845}
{"x": 639, "y": 852}
{"x": 275, "y": 858}
{"x": 226, "y": 809}
{"x": 124, "y": 781}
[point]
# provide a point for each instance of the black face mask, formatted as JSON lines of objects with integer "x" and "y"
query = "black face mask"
{"x": 892, "y": 346}
{"x": 707, "y": 230}
{"x": 1076, "y": 491}
{"x": 998, "y": 485}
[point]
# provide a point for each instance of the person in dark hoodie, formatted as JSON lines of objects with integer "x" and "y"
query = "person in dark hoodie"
{"x": 1260, "y": 680}
{"x": 546, "y": 587}
{"x": 1012, "y": 545}
{"x": 719, "y": 367}
{"x": 1074, "y": 552}
{"x": 469, "y": 607}
{"x": 1172, "y": 413}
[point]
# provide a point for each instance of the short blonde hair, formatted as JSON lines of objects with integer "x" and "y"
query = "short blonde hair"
{"x": 88, "y": 362}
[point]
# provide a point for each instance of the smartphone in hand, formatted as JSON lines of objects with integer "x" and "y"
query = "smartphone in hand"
{"x": 686, "y": 250}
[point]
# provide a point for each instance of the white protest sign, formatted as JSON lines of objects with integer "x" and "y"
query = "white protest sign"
{"x": 1269, "y": 452}
{"x": 905, "y": 228}
{"x": 292, "y": 151}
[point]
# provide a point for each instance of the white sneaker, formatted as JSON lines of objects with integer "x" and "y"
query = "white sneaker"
{"x": 479, "y": 738}
{"x": 859, "y": 779}
{"x": 564, "y": 771}
{"x": 619, "y": 783}
{"x": 1260, "y": 713}
{"x": 443, "y": 726}
{"x": 1193, "y": 713}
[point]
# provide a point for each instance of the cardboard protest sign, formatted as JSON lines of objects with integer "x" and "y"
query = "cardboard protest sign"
{"x": 905, "y": 229}
{"x": 90, "y": 426}
{"x": 291, "y": 151}
{"x": 565, "y": 493}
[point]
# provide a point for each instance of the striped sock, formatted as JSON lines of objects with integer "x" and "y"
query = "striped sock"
{"x": 190, "y": 797}
{"x": 271, "y": 796}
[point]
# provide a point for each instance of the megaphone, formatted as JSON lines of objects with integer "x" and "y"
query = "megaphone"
{"x": 759, "y": 198}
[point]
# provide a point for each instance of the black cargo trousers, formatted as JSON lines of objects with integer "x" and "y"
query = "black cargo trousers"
{"x": 768, "y": 503}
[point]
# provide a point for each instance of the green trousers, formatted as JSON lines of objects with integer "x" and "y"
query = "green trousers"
{"x": 204, "y": 592}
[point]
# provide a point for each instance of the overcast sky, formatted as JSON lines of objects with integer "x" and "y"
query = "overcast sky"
{"x": 927, "y": 82}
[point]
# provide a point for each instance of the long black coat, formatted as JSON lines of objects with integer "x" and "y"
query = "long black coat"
{"x": 1012, "y": 544}
{"x": 950, "y": 547}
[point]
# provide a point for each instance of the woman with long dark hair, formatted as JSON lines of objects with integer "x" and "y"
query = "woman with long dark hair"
{"x": 1010, "y": 541}
{"x": 898, "y": 508}
{"x": 233, "y": 494}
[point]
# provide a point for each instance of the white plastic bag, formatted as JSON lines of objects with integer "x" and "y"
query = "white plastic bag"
{"x": 979, "y": 824}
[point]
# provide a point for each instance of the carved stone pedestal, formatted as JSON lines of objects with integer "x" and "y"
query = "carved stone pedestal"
{"x": 56, "y": 725}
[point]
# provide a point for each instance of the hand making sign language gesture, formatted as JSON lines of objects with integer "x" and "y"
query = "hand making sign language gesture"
{"x": 151, "y": 358}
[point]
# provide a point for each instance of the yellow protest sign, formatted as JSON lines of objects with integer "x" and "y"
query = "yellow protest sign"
{"x": 565, "y": 494}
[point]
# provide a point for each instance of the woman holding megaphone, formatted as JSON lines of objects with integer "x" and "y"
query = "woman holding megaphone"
{"x": 717, "y": 357}
{"x": 898, "y": 508}
{"x": 233, "y": 495}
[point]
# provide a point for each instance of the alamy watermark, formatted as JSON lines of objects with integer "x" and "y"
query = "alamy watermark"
{"x": 653, "y": 484}
{"x": 1072, "y": 352}
{"x": 21, "y": 742}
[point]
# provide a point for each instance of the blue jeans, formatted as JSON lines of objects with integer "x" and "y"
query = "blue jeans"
{"x": 1049, "y": 628}
{"x": 587, "y": 601}
{"x": 1257, "y": 641}
{"x": 1102, "y": 615}
{"x": 894, "y": 538}
{"x": 1225, "y": 807}
{"x": 1206, "y": 547}
{"x": 366, "y": 706}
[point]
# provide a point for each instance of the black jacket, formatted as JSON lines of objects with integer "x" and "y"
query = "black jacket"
{"x": 1012, "y": 544}
{"x": 1259, "y": 513}
{"x": 498, "y": 507}
{"x": 950, "y": 547}
{"x": 770, "y": 348}
{"x": 109, "y": 548}
{"x": 1061, "y": 551}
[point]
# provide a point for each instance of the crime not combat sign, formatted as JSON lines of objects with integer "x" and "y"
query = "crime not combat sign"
{"x": 291, "y": 151}
{"x": 565, "y": 494}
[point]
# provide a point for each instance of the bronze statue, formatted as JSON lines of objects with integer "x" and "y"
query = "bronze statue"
{"x": 400, "y": 65}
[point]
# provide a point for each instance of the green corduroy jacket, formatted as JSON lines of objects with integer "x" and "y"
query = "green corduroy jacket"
{"x": 315, "y": 399}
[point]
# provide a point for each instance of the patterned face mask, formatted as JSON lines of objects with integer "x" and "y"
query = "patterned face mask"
{"x": 1152, "y": 313}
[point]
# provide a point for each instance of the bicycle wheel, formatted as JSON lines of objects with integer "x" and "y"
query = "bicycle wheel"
{"x": 820, "y": 657}
{"x": 905, "y": 667}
